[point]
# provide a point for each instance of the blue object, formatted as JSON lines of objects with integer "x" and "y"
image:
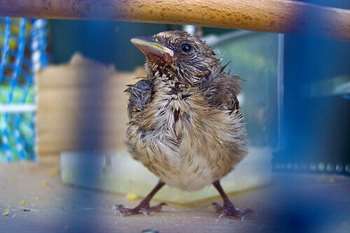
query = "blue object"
{"x": 23, "y": 44}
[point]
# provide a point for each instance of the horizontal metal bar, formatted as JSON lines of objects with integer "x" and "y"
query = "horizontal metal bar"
{"x": 17, "y": 108}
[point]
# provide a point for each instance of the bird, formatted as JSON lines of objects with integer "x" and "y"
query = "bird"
{"x": 185, "y": 123}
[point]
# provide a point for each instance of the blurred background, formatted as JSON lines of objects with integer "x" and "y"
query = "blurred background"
{"x": 295, "y": 87}
{"x": 295, "y": 92}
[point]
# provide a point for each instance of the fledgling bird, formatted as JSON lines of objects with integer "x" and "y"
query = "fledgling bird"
{"x": 185, "y": 123}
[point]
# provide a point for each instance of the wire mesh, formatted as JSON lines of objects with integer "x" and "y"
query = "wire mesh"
{"x": 23, "y": 45}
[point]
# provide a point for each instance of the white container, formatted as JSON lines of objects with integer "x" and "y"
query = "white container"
{"x": 118, "y": 172}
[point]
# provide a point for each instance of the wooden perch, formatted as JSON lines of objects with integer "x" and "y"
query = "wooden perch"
{"x": 259, "y": 15}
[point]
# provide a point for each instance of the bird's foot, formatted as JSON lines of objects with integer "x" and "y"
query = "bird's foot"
{"x": 230, "y": 211}
{"x": 143, "y": 208}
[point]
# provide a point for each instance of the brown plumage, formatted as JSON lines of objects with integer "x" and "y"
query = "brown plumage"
{"x": 185, "y": 124}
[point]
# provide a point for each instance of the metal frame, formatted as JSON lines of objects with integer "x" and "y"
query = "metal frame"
{"x": 17, "y": 108}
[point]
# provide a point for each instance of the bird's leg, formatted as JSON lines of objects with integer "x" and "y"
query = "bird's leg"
{"x": 144, "y": 206}
{"x": 228, "y": 209}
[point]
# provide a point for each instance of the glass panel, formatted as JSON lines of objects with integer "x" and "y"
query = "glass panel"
{"x": 254, "y": 57}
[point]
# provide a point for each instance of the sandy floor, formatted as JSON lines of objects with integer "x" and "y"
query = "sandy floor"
{"x": 33, "y": 200}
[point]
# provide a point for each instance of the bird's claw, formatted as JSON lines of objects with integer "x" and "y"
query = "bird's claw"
{"x": 232, "y": 212}
{"x": 123, "y": 211}
{"x": 140, "y": 209}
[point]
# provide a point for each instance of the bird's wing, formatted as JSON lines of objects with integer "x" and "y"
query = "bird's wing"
{"x": 140, "y": 95}
{"x": 221, "y": 92}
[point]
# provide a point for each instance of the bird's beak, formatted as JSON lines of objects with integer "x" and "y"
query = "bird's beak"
{"x": 153, "y": 50}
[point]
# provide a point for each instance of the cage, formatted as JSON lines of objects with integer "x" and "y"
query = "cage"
{"x": 71, "y": 112}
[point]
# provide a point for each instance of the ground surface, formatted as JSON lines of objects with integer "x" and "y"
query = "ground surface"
{"x": 33, "y": 200}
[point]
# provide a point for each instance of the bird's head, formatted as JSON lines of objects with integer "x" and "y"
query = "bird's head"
{"x": 179, "y": 54}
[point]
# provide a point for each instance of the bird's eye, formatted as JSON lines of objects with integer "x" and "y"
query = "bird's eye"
{"x": 186, "y": 48}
